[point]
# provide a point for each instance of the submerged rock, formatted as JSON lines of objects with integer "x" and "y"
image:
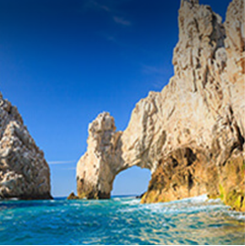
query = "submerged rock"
{"x": 24, "y": 173}
{"x": 191, "y": 134}
{"x": 72, "y": 196}
{"x": 140, "y": 196}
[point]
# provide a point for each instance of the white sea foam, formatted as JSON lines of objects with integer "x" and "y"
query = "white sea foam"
{"x": 13, "y": 199}
{"x": 240, "y": 216}
{"x": 131, "y": 202}
{"x": 214, "y": 200}
{"x": 187, "y": 205}
{"x": 201, "y": 198}
{"x": 195, "y": 199}
{"x": 237, "y": 215}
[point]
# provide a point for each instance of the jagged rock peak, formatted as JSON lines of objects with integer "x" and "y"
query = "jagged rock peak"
{"x": 24, "y": 173}
{"x": 201, "y": 35}
{"x": 235, "y": 41}
{"x": 190, "y": 3}
{"x": 104, "y": 122}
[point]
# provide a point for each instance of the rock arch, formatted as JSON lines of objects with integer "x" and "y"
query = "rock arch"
{"x": 104, "y": 159}
{"x": 191, "y": 134}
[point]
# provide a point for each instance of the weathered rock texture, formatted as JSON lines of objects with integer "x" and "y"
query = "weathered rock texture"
{"x": 24, "y": 173}
{"x": 97, "y": 168}
{"x": 191, "y": 134}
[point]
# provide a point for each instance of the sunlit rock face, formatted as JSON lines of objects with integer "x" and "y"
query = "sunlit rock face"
{"x": 24, "y": 173}
{"x": 97, "y": 168}
{"x": 191, "y": 134}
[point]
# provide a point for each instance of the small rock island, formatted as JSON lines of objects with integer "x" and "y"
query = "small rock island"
{"x": 191, "y": 134}
{"x": 24, "y": 173}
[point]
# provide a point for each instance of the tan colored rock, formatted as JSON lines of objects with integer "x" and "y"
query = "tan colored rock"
{"x": 96, "y": 170}
{"x": 193, "y": 130}
{"x": 235, "y": 41}
{"x": 24, "y": 173}
{"x": 72, "y": 196}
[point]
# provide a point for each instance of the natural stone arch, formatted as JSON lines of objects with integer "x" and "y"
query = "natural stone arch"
{"x": 103, "y": 161}
{"x": 191, "y": 134}
{"x": 110, "y": 152}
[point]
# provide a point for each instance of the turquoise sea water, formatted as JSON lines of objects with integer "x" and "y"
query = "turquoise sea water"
{"x": 120, "y": 220}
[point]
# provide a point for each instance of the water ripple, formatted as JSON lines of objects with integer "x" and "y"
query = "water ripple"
{"x": 120, "y": 221}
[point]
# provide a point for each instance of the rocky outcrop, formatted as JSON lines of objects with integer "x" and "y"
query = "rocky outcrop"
{"x": 97, "y": 169}
{"x": 24, "y": 173}
{"x": 191, "y": 134}
{"x": 72, "y": 196}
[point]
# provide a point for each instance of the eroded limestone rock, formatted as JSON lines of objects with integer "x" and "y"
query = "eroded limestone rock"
{"x": 96, "y": 169}
{"x": 191, "y": 134}
{"x": 24, "y": 173}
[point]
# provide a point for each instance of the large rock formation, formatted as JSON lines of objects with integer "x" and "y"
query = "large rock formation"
{"x": 191, "y": 134}
{"x": 97, "y": 168}
{"x": 24, "y": 173}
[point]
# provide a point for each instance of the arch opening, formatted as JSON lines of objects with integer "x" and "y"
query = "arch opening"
{"x": 132, "y": 181}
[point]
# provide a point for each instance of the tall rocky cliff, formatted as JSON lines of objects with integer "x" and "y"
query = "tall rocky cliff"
{"x": 24, "y": 173}
{"x": 191, "y": 134}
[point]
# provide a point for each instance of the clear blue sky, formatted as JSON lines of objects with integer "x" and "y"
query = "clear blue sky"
{"x": 62, "y": 62}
